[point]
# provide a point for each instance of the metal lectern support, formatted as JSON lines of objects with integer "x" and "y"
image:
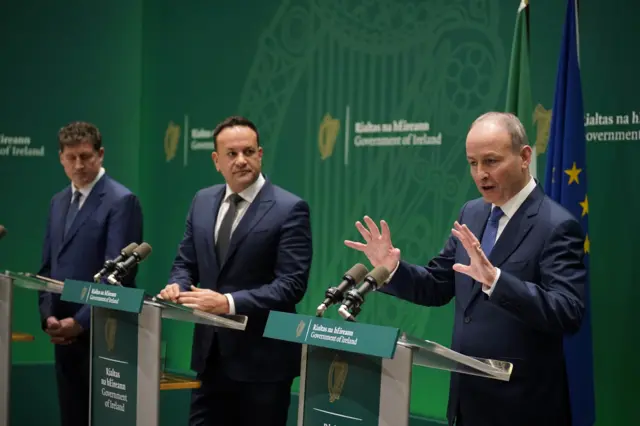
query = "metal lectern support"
{"x": 6, "y": 302}
{"x": 8, "y": 280}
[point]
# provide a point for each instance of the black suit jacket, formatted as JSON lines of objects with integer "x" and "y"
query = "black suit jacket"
{"x": 537, "y": 300}
{"x": 267, "y": 268}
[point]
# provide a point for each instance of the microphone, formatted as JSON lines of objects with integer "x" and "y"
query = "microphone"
{"x": 334, "y": 294}
{"x": 109, "y": 265}
{"x": 355, "y": 297}
{"x": 123, "y": 268}
{"x": 3, "y": 231}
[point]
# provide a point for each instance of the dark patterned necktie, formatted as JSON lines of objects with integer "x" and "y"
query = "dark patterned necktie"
{"x": 224, "y": 233}
{"x": 72, "y": 212}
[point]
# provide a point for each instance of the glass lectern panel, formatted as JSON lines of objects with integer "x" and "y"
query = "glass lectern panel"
{"x": 433, "y": 355}
{"x": 35, "y": 282}
{"x": 179, "y": 312}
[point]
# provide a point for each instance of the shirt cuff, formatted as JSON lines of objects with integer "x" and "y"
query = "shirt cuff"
{"x": 232, "y": 306}
{"x": 392, "y": 272}
{"x": 493, "y": 286}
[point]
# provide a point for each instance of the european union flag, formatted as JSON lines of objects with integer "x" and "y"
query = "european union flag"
{"x": 566, "y": 183}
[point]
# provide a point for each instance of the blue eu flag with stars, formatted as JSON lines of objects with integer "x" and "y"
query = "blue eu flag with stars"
{"x": 566, "y": 183}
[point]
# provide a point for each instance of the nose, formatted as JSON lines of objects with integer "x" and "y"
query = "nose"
{"x": 482, "y": 174}
{"x": 241, "y": 160}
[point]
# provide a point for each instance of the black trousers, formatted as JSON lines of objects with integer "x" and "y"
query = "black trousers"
{"x": 221, "y": 401}
{"x": 72, "y": 377}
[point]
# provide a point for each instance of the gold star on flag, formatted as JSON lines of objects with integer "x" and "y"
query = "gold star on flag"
{"x": 587, "y": 244}
{"x": 573, "y": 173}
{"x": 585, "y": 205}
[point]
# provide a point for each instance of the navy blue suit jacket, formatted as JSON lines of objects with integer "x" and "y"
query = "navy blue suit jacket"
{"x": 109, "y": 220}
{"x": 267, "y": 268}
{"x": 537, "y": 300}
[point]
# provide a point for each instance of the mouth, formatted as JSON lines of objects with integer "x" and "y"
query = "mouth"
{"x": 487, "y": 188}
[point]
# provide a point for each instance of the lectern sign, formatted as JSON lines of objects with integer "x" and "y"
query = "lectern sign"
{"x": 114, "y": 372}
{"x": 341, "y": 380}
{"x": 104, "y": 296}
{"x": 334, "y": 334}
{"x": 114, "y": 349}
{"x": 341, "y": 388}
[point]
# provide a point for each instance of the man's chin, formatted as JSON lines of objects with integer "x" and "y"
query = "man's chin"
{"x": 244, "y": 179}
{"x": 490, "y": 196}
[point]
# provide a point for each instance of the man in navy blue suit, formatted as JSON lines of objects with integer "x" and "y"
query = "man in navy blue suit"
{"x": 514, "y": 264}
{"x": 90, "y": 221}
{"x": 248, "y": 245}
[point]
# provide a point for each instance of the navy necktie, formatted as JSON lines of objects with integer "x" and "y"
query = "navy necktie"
{"x": 224, "y": 233}
{"x": 73, "y": 211}
{"x": 491, "y": 231}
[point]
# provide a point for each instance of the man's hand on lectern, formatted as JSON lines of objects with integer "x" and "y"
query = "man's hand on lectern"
{"x": 170, "y": 293}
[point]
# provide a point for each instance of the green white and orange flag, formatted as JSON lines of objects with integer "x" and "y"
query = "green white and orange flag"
{"x": 519, "y": 98}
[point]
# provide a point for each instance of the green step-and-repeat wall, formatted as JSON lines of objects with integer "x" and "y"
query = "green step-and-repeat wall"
{"x": 363, "y": 108}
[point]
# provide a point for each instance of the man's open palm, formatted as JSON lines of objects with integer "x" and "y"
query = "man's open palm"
{"x": 377, "y": 247}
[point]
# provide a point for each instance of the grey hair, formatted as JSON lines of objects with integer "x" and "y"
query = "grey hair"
{"x": 508, "y": 122}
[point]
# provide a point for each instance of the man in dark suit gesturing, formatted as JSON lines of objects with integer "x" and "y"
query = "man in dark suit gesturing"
{"x": 90, "y": 221}
{"x": 514, "y": 265}
{"x": 248, "y": 244}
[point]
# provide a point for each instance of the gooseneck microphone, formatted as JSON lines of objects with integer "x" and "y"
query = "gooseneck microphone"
{"x": 110, "y": 265}
{"x": 123, "y": 268}
{"x": 355, "y": 297}
{"x": 350, "y": 278}
{"x": 3, "y": 231}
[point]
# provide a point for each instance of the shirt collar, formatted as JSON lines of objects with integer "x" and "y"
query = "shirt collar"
{"x": 251, "y": 192}
{"x": 511, "y": 207}
{"x": 86, "y": 190}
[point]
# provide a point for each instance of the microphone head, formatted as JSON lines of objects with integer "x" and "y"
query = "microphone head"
{"x": 3, "y": 231}
{"x": 143, "y": 250}
{"x": 356, "y": 273}
{"x": 378, "y": 275}
{"x": 128, "y": 250}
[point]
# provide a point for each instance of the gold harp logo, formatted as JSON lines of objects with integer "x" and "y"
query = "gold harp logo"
{"x": 83, "y": 293}
{"x": 336, "y": 378}
{"x": 327, "y": 135}
{"x": 542, "y": 119}
{"x": 110, "y": 329}
{"x": 300, "y": 328}
{"x": 171, "y": 140}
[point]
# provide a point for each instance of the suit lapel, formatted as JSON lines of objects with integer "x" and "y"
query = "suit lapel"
{"x": 256, "y": 211}
{"x": 517, "y": 229}
{"x": 59, "y": 217}
{"x": 476, "y": 225}
{"x": 513, "y": 234}
{"x": 215, "y": 203}
{"x": 90, "y": 205}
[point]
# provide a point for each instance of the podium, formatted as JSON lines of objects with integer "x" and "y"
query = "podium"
{"x": 7, "y": 282}
{"x": 126, "y": 333}
{"x": 360, "y": 374}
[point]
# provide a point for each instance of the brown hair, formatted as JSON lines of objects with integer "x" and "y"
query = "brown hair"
{"x": 78, "y": 132}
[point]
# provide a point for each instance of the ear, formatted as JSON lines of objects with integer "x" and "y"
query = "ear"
{"x": 526, "y": 153}
{"x": 214, "y": 157}
{"x": 101, "y": 153}
{"x": 60, "y": 156}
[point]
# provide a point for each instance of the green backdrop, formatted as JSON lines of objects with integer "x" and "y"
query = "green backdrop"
{"x": 322, "y": 80}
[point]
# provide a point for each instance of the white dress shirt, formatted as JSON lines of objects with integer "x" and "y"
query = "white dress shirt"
{"x": 510, "y": 208}
{"x": 86, "y": 190}
{"x": 248, "y": 195}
